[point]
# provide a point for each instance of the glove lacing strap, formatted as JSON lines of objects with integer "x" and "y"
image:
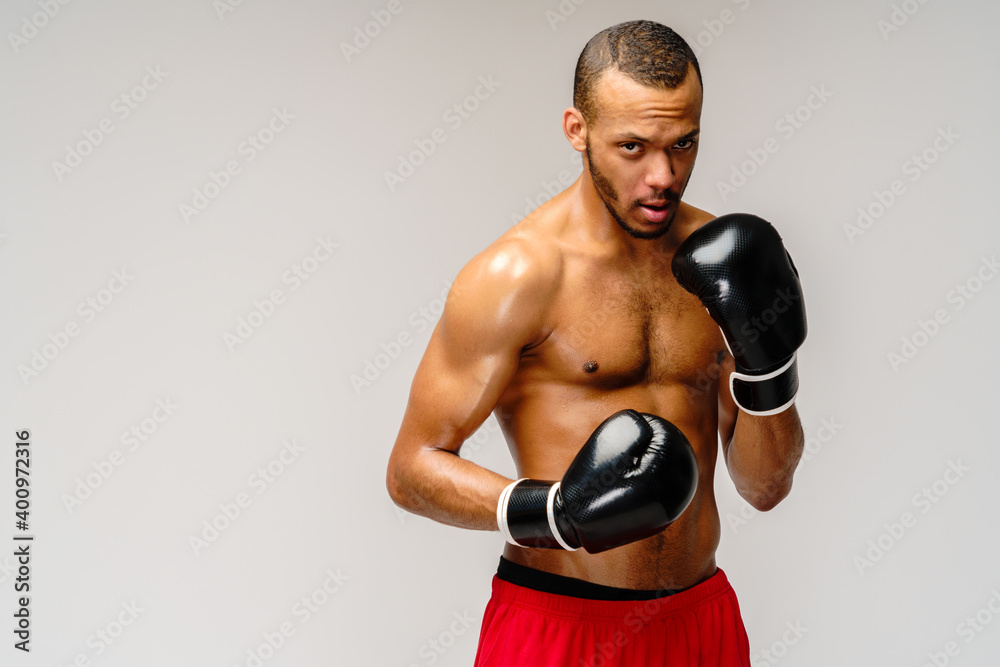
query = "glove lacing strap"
{"x": 502, "y": 512}
{"x": 550, "y": 516}
{"x": 744, "y": 377}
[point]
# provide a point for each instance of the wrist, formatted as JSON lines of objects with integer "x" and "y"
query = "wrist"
{"x": 529, "y": 514}
{"x": 768, "y": 392}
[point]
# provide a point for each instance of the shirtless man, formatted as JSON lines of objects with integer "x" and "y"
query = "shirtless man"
{"x": 577, "y": 313}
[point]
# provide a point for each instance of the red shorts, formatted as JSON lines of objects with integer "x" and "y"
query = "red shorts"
{"x": 699, "y": 626}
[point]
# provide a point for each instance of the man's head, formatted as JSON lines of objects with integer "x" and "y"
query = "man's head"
{"x": 636, "y": 115}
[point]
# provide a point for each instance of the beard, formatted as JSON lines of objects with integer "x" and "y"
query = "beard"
{"x": 606, "y": 191}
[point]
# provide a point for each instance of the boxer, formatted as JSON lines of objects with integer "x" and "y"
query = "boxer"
{"x": 618, "y": 334}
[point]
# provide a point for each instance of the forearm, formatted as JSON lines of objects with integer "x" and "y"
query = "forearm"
{"x": 763, "y": 454}
{"x": 440, "y": 485}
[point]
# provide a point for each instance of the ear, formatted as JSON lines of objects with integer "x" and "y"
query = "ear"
{"x": 575, "y": 128}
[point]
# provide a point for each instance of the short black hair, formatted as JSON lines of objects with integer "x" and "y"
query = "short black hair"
{"x": 646, "y": 51}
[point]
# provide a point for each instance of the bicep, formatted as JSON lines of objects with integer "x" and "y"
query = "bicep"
{"x": 491, "y": 314}
{"x": 456, "y": 386}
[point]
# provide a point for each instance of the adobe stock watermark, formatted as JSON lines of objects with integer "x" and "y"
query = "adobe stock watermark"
{"x": 957, "y": 297}
{"x": 787, "y": 125}
{"x": 750, "y": 331}
{"x": 715, "y": 27}
{"x": 230, "y": 511}
{"x": 473, "y": 444}
{"x": 419, "y": 321}
{"x": 778, "y": 649}
{"x": 32, "y": 24}
{"x": 923, "y": 501}
{"x": 603, "y": 653}
{"x": 914, "y": 168}
{"x": 105, "y": 636}
{"x": 225, "y": 7}
{"x": 302, "y": 612}
{"x": 121, "y": 108}
{"x": 364, "y": 35}
{"x": 248, "y": 149}
{"x": 762, "y": 322}
{"x": 550, "y": 189}
{"x": 816, "y": 440}
{"x": 431, "y": 650}
{"x": 131, "y": 440}
{"x": 562, "y": 12}
{"x": 265, "y": 307}
{"x": 8, "y": 568}
{"x": 454, "y": 116}
{"x": 40, "y": 358}
{"x": 609, "y": 306}
{"x": 635, "y": 621}
{"x": 967, "y": 630}
{"x": 898, "y": 17}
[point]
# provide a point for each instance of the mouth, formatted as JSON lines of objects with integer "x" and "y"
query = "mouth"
{"x": 655, "y": 212}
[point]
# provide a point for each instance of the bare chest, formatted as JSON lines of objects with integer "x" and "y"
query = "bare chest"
{"x": 610, "y": 331}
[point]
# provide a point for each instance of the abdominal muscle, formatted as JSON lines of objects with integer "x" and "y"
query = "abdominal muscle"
{"x": 681, "y": 556}
{"x": 548, "y": 429}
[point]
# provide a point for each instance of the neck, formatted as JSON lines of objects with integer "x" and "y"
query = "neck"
{"x": 591, "y": 218}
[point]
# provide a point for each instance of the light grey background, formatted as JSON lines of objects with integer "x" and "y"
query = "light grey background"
{"x": 834, "y": 561}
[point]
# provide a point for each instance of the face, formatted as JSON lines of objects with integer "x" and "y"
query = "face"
{"x": 641, "y": 150}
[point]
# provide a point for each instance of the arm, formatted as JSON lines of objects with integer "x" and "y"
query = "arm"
{"x": 738, "y": 267}
{"x": 493, "y": 311}
{"x": 761, "y": 453}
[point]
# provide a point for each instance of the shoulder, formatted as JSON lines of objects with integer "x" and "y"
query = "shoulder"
{"x": 509, "y": 286}
{"x": 520, "y": 260}
{"x": 689, "y": 219}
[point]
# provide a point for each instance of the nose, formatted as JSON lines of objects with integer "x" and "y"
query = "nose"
{"x": 660, "y": 174}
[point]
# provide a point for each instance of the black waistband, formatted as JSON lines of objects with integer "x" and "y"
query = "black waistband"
{"x": 547, "y": 582}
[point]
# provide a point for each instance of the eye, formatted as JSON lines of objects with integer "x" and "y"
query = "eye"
{"x": 630, "y": 147}
{"x": 685, "y": 144}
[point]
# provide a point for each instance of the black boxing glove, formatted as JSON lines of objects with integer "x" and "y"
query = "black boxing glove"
{"x": 634, "y": 477}
{"x": 738, "y": 267}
